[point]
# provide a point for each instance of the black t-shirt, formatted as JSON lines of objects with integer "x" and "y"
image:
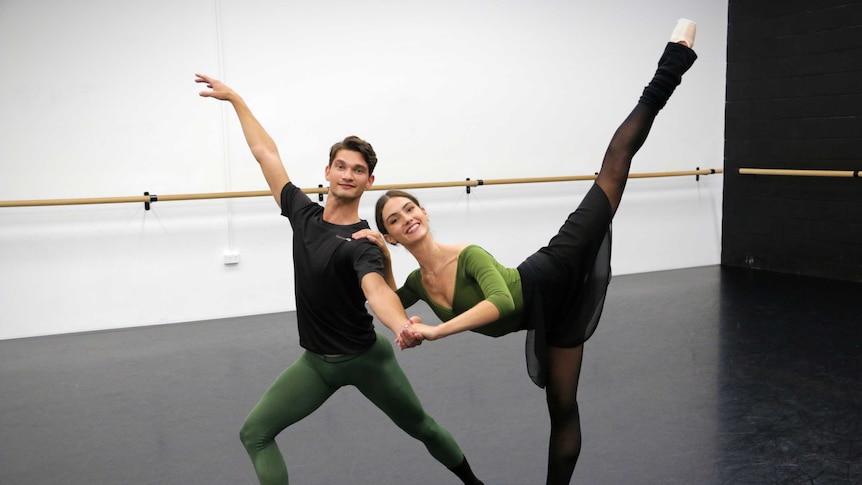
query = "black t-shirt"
{"x": 328, "y": 268}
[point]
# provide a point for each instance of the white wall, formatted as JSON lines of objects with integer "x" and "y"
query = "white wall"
{"x": 99, "y": 101}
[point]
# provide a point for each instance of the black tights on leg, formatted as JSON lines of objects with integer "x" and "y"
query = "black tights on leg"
{"x": 564, "y": 370}
{"x": 564, "y": 364}
{"x": 632, "y": 133}
{"x": 627, "y": 140}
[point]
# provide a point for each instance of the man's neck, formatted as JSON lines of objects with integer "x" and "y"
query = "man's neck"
{"x": 342, "y": 212}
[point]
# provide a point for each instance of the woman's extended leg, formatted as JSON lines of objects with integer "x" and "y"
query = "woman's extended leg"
{"x": 564, "y": 363}
{"x": 632, "y": 133}
{"x": 564, "y": 370}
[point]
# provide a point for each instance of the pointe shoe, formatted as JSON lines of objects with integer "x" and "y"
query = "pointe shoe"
{"x": 684, "y": 33}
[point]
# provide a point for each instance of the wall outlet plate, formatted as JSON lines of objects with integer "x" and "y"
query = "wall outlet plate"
{"x": 231, "y": 257}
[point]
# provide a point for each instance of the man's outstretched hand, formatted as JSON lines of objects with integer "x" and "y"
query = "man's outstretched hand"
{"x": 218, "y": 89}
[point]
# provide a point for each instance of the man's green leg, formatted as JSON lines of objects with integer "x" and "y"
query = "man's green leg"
{"x": 295, "y": 394}
{"x": 383, "y": 382}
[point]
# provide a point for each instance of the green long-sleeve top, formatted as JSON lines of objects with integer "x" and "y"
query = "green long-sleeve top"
{"x": 478, "y": 277}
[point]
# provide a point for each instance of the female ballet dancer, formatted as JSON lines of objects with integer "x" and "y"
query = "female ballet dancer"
{"x": 556, "y": 294}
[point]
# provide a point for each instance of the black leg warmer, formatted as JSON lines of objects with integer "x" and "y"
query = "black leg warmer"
{"x": 675, "y": 61}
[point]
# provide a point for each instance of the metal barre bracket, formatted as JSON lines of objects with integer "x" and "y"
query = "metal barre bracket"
{"x": 697, "y": 176}
{"x": 153, "y": 198}
{"x": 320, "y": 194}
{"x": 478, "y": 183}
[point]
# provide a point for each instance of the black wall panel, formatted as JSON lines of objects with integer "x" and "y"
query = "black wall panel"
{"x": 794, "y": 100}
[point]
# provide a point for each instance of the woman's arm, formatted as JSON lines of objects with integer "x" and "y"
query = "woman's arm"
{"x": 480, "y": 314}
{"x": 498, "y": 301}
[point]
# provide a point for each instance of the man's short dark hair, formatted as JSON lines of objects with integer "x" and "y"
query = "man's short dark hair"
{"x": 356, "y": 144}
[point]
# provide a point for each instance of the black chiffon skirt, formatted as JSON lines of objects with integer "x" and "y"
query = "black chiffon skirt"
{"x": 565, "y": 283}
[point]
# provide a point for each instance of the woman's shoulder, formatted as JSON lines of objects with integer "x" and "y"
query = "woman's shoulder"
{"x": 473, "y": 254}
{"x": 473, "y": 249}
{"x": 465, "y": 248}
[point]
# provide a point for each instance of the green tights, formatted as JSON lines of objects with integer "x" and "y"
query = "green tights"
{"x": 312, "y": 379}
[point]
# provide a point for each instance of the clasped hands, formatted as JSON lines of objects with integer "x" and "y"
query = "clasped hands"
{"x": 409, "y": 337}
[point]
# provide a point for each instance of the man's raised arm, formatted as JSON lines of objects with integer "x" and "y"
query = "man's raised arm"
{"x": 261, "y": 144}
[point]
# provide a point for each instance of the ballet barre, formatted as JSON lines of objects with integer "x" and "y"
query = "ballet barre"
{"x": 801, "y": 173}
{"x": 148, "y": 198}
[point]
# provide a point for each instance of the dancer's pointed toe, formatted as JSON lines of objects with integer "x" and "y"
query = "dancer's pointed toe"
{"x": 684, "y": 33}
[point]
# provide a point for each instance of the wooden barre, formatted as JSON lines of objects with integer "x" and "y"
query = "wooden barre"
{"x": 800, "y": 173}
{"x": 146, "y": 199}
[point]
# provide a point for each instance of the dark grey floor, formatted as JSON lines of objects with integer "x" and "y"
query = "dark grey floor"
{"x": 695, "y": 376}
